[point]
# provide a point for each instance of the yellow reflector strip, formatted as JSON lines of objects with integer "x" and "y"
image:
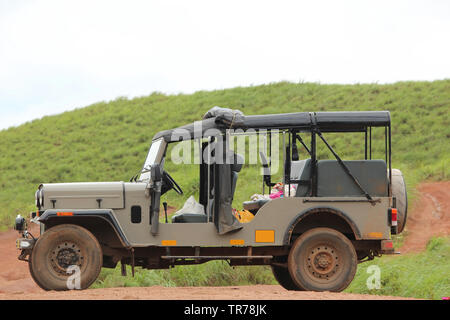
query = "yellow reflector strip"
{"x": 375, "y": 235}
{"x": 237, "y": 242}
{"x": 169, "y": 242}
{"x": 265, "y": 236}
{"x": 64, "y": 214}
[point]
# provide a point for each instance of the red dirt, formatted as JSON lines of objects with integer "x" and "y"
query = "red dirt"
{"x": 256, "y": 292}
{"x": 14, "y": 274}
{"x": 429, "y": 218}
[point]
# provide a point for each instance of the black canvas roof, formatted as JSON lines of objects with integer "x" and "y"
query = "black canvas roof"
{"x": 303, "y": 121}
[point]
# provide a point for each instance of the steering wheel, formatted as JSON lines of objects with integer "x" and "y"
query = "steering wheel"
{"x": 171, "y": 184}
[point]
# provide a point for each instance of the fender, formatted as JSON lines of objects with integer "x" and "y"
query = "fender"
{"x": 104, "y": 214}
{"x": 309, "y": 211}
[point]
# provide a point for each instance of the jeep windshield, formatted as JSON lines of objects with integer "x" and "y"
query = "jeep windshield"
{"x": 154, "y": 156}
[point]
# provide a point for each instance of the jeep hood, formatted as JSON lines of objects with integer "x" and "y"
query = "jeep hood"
{"x": 86, "y": 195}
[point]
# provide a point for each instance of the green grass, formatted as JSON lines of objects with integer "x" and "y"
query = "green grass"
{"x": 108, "y": 141}
{"x": 214, "y": 273}
{"x": 423, "y": 275}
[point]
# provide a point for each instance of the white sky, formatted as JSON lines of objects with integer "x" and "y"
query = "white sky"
{"x": 59, "y": 55}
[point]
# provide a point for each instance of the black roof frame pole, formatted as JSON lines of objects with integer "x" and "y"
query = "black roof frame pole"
{"x": 284, "y": 148}
{"x": 299, "y": 138}
{"x": 313, "y": 155}
{"x": 346, "y": 169}
{"x": 287, "y": 159}
{"x": 390, "y": 162}
{"x": 365, "y": 144}
{"x": 385, "y": 145}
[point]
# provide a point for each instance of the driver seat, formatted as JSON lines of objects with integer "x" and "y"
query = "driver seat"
{"x": 189, "y": 217}
{"x": 235, "y": 168}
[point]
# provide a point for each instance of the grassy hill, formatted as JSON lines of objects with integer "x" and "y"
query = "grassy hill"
{"x": 108, "y": 141}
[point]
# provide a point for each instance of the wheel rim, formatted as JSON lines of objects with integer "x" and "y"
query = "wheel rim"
{"x": 323, "y": 263}
{"x": 64, "y": 255}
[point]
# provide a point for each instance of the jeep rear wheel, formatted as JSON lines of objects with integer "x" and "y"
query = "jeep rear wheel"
{"x": 61, "y": 254}
{"x": 322, "y": 259}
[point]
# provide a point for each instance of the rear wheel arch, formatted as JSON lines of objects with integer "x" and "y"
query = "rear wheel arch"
{"x": 321, "y": 217}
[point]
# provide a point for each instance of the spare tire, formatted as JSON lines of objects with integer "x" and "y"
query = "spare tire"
{"x": 399, "y": 192}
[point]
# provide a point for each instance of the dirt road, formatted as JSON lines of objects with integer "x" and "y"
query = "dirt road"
{"x": 429, "y": 218}
{"x": 256, "y": 292}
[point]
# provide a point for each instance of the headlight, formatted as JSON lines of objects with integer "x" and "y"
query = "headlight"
{"x": 25, "y": 243}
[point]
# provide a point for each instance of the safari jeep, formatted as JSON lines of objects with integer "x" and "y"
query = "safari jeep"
{"x": 331, "y": 215}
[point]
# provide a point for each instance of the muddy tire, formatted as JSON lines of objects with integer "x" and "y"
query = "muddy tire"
{"x": 399, "y": 192}
{"x": 32, "y": 273}
{"x": 59, "y": 252}
{"x": 283, "y": 277}
{"x": 322, "y": 259}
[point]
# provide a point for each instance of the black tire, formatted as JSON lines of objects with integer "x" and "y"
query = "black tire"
{"x": 283, "y": 277}
{"x": 399, "y": 192}
{"x": 322, "y": 259}
{"x": 63, "y": 246}
{"x": 32, "y": 273}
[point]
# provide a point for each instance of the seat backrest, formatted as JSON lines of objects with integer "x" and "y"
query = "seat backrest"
{"x": 297, "y": 169}
{"x": 301, "y": 170}
{"x": 332, "y": 181}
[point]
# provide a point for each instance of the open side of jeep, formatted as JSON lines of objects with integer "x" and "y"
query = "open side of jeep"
{"x": 342, "y": 212}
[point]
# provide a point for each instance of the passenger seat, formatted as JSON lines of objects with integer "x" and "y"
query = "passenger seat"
{"x": 300, "y": 170}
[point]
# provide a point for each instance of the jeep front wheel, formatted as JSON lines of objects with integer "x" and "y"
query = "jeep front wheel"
{"x": 283, "y": 277}
{"x": 66, "y": 257}
{"x": 322, "y": 259}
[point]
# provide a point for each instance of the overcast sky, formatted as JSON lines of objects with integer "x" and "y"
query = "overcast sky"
{"x": 60, "y": 55}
